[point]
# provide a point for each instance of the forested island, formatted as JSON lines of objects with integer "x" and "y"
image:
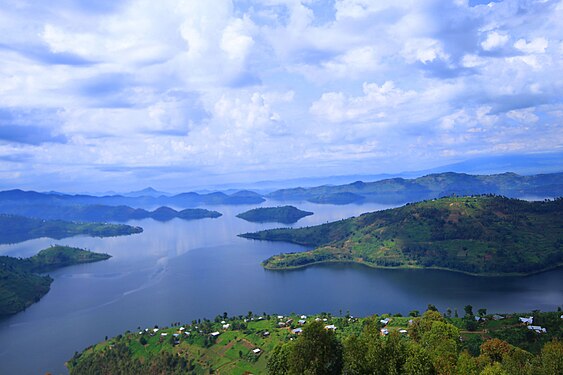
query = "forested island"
{"x": 482, "y": 235}
{"x": 280, "y": 214}
{"x": 401, "y": 190}
{"x": 434, "y": 343}
{"x": 20, "y": 283}
{"x": 15, "y": 229}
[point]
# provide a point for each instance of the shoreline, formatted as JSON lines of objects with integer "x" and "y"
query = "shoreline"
{"x": 513, "y": 274}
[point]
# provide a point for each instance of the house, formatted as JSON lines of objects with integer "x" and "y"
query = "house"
{"x": 384, "y": 331}
{"x": 187, "y": 333}
{"x": 281, "y": 324}
{"x": 215, "y": 334}
{"x": 497, "y": 317}
{"x": 317, "y": 319}
{"x": 226, "y": 326}
{"x": 256, "y": 351}
{"x": 303, "y": 316}
{"x": 164, "y": 334}
{"x": 385, "y": 321}
{"x": 223, "y": 322}
{"x": 537, "y": 329}
{"x": 175, "y": 334}
{"x": 403, "y": 331}
{"x": 266, "y": 334}
{"x": 477, "y": 318}
{"x": 330, "y": 327}
{"x": 181, "y": 328}
{"x": 301, "y": 322}
{"x": 280, "y": 317}
{"x": 297, "y": 331}
{"x": 155, "y": 330}
{"x": 289, "y": 321}
{"x": 528, "y": 320}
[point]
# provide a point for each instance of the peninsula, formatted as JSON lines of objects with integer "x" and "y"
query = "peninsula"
{"x": 481, "y": 235}
{"x": 282, "y": 214}
{"x": 20, "y": 283}
{"x": 15, "y": 229}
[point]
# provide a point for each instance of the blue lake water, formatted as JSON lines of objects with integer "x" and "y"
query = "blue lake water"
{"x": 184, "y": 270}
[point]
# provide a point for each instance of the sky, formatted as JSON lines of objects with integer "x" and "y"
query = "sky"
{"x": 120, "y": 95}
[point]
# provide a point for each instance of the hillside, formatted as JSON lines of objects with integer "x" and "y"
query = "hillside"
{"x": 15, "y": 229}
{"x": 479, "y": 235}
{"x": 326, "y": 344}
{"x": 282, "y": 214}
{"x": 20, "y": 286}
{"x": 400, "y": 190}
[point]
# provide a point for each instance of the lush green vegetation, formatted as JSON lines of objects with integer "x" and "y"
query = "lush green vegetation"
{"x": 478, "y": 235}
{"x": 15, "y": 229}
{"x": 20, "y": 286}
{"x": 430, "y": 344}
{"x": 281, "y": 214}
{"x": 400, "y": 190}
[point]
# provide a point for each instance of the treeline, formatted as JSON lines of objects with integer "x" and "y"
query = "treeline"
{"x": 434, "y": 346}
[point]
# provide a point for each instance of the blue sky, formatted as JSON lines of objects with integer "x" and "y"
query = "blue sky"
{"x": 100, "y": 95}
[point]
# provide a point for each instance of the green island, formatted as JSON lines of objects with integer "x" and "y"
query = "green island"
{"x": 15, "y": 229}
{"x": 481, "y": 235}
{"x": 20, "y": 284}
{"x": 434, "y": 343}
{"x": 280, "y": 214}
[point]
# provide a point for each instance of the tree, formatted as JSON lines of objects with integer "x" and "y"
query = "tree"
{"x": 316, "y": 351}
{"x": 143, "y": 340}
{"x": 414, "y": 313}
{"x": 495, "y": 349}
{"x": 466, "y": 365}
{"x": 418, "y": 361}
{"x": 468, "y": 310}
{"x": 482, "y": 312}
{"x": 551, "y": 358}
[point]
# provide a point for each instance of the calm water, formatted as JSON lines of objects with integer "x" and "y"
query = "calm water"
{"x": 184, "y": 270}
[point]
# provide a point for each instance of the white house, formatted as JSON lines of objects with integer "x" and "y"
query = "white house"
{"x": 331, "y": 327}
{"x": 297, "y": 331}
{"x": 528, "y": 320}
{"x": 215, "y": 334}
{"x": 385, "y": 321}
{"x": 256, "y": 351}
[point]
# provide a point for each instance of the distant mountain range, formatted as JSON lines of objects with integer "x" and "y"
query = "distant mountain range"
{"x": 181, "y": 200}
{"x": 400, "y": 190}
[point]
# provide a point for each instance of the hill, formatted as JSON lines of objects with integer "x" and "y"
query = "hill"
{"x": 479, "y": 235}
{"x": 400, "y": 190}
{"x": 282, "y": 214}
{"x": 20, "y": 286}
{"x": 326, "y": 344}
{"x": 15, "y": 229}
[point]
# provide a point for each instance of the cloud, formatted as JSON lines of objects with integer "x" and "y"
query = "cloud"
{"x": 204, "y": 88}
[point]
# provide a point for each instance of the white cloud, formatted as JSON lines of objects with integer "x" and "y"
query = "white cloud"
{"x": 526, "y": 115}
{"x": 536, "y": 45}
{"x": 494, "y": 40}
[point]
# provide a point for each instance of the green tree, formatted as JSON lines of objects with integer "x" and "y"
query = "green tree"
{"x": 418, "y": 361}
{"x": 468, "y": 310}
{"x": 482, "y": 312}
{"x": 551, "y": 358}
{"x": 316, "y": 351}
{"x": 466, "y": 365}
{"x": 278, "y": 363}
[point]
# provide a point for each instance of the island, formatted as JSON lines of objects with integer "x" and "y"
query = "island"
{"x": 434, "y": 342}
{"x": 480, "y": 235}
{"x": 20, "y": 282}
{"x": 280, "y": 214}
{"x": 14, "y": 228}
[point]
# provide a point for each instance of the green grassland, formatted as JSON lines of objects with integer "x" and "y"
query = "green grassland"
{"x": 149, "y": 352}
{"x": 483, "y": 235}
{"x": 282, "y": 214}
{"x": 15, "y": 229}
{"x": 21, "y": 286}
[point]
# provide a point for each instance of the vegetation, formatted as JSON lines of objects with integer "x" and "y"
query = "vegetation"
{"x": 15, "y": 229}
{"x": 282, "y": 214}
{"x": 478, "y": 235}
{"x": 431, "y": 344}
{"x": 400, "y": 190}
{"x": 20, "y": 286}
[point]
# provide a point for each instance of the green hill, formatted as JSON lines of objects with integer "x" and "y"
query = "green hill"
{"x": 20, "y": 286}
{"x": 326, "y": 344}
{"x": 479, "y": 235}
{"x": 283, "y": 214}
{"x": 15, "y": 229}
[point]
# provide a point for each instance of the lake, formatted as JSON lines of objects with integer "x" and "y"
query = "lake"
{"x": 180, "y": 270}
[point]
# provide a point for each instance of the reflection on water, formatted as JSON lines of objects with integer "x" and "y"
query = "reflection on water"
{"x": 184, "y": 270}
